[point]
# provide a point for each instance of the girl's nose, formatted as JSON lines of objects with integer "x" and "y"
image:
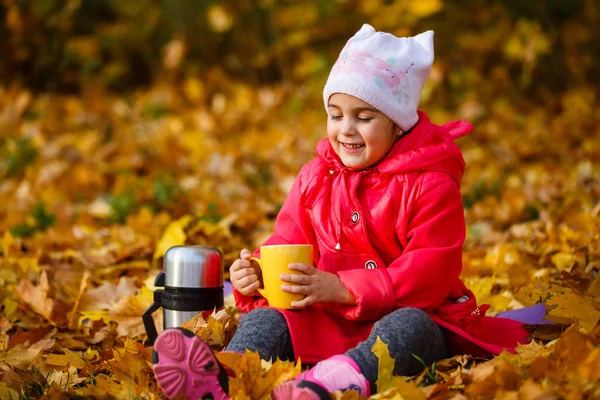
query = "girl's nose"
{"x": 348, "y": 129}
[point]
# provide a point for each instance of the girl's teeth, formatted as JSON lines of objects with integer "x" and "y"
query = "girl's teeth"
{"x": 352, "y": 146}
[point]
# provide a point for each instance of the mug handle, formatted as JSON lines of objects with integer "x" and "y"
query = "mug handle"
{"x": 263, "y": 292}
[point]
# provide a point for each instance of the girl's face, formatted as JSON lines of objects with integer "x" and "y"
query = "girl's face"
{"x": 359, "y": 134}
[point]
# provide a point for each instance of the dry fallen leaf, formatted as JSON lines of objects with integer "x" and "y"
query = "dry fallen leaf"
{"x": 567, "y": 304}
{"x": 385, "y": 366}
{"x": 37, "y": 296}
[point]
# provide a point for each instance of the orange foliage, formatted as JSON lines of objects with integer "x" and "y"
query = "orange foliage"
{"x": 96, "y": 186}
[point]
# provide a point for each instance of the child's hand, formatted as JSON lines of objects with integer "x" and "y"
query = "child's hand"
{"x": 245, "y": 274}
{"x": 318, "y": 286}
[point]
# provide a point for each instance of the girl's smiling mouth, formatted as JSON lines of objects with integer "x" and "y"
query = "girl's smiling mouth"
{"x": 352, "y": 147}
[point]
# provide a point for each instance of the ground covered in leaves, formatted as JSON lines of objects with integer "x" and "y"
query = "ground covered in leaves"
{"x": 96, "y": 186}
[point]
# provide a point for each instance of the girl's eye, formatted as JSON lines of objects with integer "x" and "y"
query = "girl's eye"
{"x": 335, "y": 117}
{"x": 365, "y": 119}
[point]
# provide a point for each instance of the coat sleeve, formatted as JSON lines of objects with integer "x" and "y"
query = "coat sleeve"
{"x": 432, "y": 235}
{"x": 292, "y": 226}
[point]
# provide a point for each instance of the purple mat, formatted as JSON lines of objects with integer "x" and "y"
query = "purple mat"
{"x": 227, "y": 288}
{"x": 527, "y": 315}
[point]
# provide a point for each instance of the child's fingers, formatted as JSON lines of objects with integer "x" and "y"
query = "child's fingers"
{"x": 240, "y": 265}
{"x": 250, "y": 290}
{"x": 296, "y": 289}
{"x": 245, "y": 254}
{"x": 248, "y": 280}
{"x": 237, "y": 277}
{"x": 245, "y": 272}
{"x": 296, "y": 278}
{"x": 305, "y": 302}
{"x": 307, "y": 269}
{"x": 253, "y": 286}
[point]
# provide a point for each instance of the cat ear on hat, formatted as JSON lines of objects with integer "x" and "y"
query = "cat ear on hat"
{"x": 425, "y": 39}
{"x": 365, "y": 30}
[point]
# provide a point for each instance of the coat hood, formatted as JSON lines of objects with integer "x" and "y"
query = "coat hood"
{"x": 427, "y": 147}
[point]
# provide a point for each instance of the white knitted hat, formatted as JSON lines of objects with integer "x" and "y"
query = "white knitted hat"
{"x": 385, "y": 71}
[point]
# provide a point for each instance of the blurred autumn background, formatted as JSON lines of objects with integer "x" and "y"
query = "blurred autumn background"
{"x": 127, "y": 127}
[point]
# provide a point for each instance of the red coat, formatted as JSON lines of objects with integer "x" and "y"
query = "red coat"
{"x": 393, "y": 233}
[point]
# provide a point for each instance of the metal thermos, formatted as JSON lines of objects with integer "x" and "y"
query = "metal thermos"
{"x": 192, "y": 278}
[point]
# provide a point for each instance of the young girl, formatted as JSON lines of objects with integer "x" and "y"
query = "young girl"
{"x": 381, "y": 205}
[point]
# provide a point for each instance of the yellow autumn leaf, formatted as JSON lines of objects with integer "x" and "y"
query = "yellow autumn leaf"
{"x": 490, "y": 378}
{"x": 213, "y": 334}
{"x": 174, "y": 235}
{"x": 7, "y": 242}
{"x": 424, "y": 8}
{"x": 29, "y": 264}
{"x": 94, "y": 316}
{"x": 277, "y": 373}
{"x": 64, "y": 379}
{"x": 7, "y": 277}
{"x": 568, "y": 304}
{"x": 574, "y": 347}
{"x": 219, "y": 18}
{"x": 534, "y": 390}
{"x": 19, "y": 357}
{"x": 501, "y": 256}
{"x": 60, "y": 360}
{"x": 37, "y": 297}
{"x": 7, "y": 393}
{"x": 564, "y": 261}
{"x": 132, "y": 368}
{"x": 402, "y": 390}
{"x": 385, "y": 368}
{"x": 104, "y": 384}
{"x": 75, "y": 359}
{"x": 90, "y": 354}
{"x": 527, "y": 353}
{"x": 482, "y": 288}
{"x": 132, "y": 346}
{"x": 128, "y": 311}
{"x": 249, "y": 371}
{"x": 75, "y": 309}
{"x": 594, "y": 288}
{"x": 590, "y": 368}
{"x": 107, "y": 295}
{"x": 230, "y": 360}
{"x": 10, "y": 308}
{"x": 4, "y": 338}
{"x": 193, "y": 88}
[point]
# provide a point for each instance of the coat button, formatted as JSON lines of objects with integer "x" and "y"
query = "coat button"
{"x": 355, "y": 217}
{"x": 331, "y": 172}
{"x": 370, "y": 264}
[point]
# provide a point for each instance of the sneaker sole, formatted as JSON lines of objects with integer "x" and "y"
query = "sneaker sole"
{"x": 185, "y": 365}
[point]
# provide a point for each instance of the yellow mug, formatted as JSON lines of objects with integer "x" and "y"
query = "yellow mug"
{"x": 274, "y": 261}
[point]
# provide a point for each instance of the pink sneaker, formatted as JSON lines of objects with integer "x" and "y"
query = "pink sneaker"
{"x": 335, "y": 373}
{"x": 185, "y": 365}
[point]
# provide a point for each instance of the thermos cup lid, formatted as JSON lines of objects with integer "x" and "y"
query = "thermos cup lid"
{"x": 193, "y": 267}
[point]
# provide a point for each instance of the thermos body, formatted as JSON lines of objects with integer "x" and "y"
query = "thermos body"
{"x": 172, "y": 318}
{"x": 192, "y": 278}
{"x": 193, "y": 267}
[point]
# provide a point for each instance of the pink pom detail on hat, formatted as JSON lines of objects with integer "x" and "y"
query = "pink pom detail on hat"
{"x": 385, "y": 71}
